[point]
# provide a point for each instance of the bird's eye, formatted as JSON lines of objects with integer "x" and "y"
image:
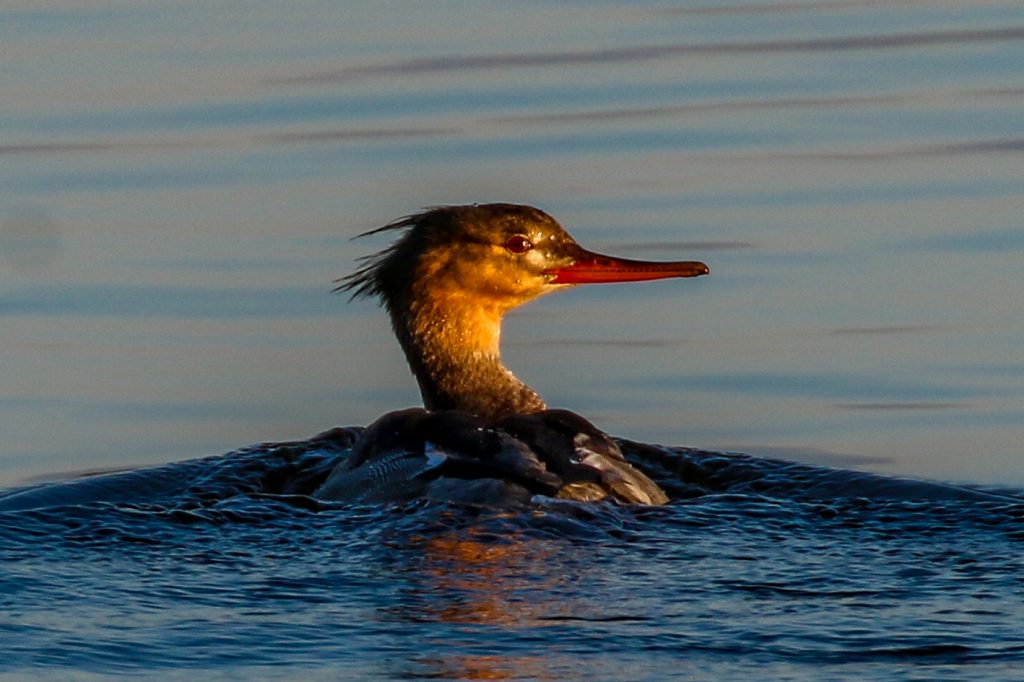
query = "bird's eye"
{"x": 518, "y": 244}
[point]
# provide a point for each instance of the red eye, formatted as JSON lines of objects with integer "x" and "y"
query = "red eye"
{"x": 518, "y": 244}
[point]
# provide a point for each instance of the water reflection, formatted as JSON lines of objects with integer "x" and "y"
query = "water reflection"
{"x": 903, "y": 406}
{"x": 485, "y": 587}
{"x": 477, "y": 581}
{"x": 31, "y": 241}
{"x": 792, "y": 6}
{"x": 897, "y": 151}
{"x": 892, "y": 329}
{"x": 452, "y": 63}
{"x": 830, "y": 160}
{"x": 853, "y": 165}
{"x": 485, "y": 667}
{"x": 358, "y": 134}
{"x": 717, "y": 245}
{"x": 1010, "y": 239}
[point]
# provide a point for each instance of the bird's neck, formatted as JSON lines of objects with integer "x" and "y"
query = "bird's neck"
{"x": 452, "y": 344}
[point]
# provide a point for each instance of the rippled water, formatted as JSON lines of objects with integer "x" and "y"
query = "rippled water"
{"x": 757, "y": 567}
{"x": 178, "y": 185}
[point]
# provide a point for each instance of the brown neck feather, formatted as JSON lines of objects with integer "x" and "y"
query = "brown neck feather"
{"x": 452, "y": 345}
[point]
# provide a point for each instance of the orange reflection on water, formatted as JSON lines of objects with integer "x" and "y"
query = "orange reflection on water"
{"x": 488, "y": 586}
{"x": 489, "y": 581}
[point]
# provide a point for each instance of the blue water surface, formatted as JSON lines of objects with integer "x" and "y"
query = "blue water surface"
{"x": 179, "y": 183}
{"x": 758, "y": 566}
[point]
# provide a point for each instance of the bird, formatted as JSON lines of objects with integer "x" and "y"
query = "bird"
{"x": 482, "y": 436}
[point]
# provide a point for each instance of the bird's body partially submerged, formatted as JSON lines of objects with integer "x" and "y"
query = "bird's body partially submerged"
{"x": 446, "y": 283}
{"x": 454, "y": 456}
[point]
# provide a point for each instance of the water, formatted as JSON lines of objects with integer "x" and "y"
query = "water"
{"x": 178, "y": 185}
{"x": 782, "y": 570}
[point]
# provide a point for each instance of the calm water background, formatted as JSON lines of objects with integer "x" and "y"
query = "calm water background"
{"x": 178, "y": 186}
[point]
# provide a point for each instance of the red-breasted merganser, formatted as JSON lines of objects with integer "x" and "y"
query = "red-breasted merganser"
{"x": 485, "y": 436}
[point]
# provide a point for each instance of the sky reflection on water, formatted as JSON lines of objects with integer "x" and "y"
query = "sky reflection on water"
{"x": 178, "y": 202}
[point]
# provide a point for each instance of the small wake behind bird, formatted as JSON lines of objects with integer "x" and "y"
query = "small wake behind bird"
{"x": 301, "y": 471}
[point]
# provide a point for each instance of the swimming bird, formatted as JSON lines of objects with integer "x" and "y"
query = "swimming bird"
{"x": 483, "y": 436}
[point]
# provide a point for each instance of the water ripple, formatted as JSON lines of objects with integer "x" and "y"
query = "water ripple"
{"x": 220, "y": 566}
{"x": 452, "y": 63}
